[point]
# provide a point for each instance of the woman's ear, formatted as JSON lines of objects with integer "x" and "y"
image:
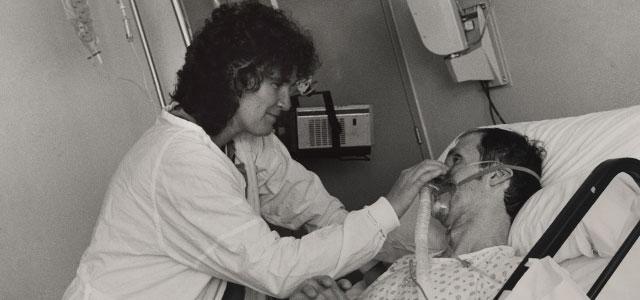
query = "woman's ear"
{"x": 499, "y": 176}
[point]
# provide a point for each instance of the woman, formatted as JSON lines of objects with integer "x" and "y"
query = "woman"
{"x": 185, "y": 216}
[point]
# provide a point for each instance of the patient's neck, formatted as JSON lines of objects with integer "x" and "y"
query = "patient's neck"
{"x": 480, "y": 228}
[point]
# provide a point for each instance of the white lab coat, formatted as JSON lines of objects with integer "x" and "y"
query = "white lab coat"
{"x": 179, "y": 220}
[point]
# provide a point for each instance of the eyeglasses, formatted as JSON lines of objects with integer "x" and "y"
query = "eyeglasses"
{"x": 304, "y": 86}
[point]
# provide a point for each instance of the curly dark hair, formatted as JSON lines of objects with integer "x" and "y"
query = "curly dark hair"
{"x": 515, "y": 149}
{"x": 239, "y": 46}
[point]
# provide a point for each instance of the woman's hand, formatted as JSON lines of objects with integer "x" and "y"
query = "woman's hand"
{"x": 321, "y": 288}
{"x": 410, "y": 181}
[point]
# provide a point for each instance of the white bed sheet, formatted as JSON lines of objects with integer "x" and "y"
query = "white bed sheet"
{"x": 625, "y": 282}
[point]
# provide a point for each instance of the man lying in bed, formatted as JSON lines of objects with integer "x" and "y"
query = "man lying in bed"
{"x": 496, "y": 171}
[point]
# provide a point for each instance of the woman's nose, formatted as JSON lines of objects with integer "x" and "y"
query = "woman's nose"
{"x": 284, "y": 100}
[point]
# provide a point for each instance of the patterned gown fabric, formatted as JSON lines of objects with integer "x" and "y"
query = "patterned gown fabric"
{"x": 451, "y": 278}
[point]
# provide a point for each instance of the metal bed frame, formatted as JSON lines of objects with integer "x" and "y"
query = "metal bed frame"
{"x": 573, "y": 212}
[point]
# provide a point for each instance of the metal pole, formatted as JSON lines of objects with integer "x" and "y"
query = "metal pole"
{"x": 147, "y": 53}
{"x": 182, "y": 23}
{"x": 408, "y": 84}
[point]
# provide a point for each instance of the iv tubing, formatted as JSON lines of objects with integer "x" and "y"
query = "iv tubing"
{"x": 182, "y": 23}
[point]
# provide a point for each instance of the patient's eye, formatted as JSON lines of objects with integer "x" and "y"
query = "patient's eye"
{"x": 456, "y": 159}
{"x": 453, "y": 159}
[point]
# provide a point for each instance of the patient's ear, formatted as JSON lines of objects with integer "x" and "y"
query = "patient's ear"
{"x": 500, "y": 176}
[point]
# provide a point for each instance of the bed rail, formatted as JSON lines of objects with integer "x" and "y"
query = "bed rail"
{"x": 573, "y": 212}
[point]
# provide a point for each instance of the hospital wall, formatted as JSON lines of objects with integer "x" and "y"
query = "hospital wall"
{"x": 566, "y": 58}
{"x": 64, "y": 126}
{"x": 359, "y": 66}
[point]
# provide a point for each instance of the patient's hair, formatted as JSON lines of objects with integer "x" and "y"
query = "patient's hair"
{"x": 239, "y": 46}
{"x": 515, "y": 149}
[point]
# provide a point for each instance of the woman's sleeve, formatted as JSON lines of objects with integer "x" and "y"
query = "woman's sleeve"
{"x": 204, "y": 222}
{"x": 291, "y": 195}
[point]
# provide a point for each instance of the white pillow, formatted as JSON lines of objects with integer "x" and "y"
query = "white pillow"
{"x": 576, "y": 145}
{"x": 600, "y": 232}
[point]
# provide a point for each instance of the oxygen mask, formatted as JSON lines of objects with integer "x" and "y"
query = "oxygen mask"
{"x": 444, "y": 186}
{"x": 442, "y": 189}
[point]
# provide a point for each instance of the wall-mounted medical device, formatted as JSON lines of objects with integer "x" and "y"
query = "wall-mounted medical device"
{"x": 465, "y": 32}
{"x": 329, "y": 131}
{"x": 79, "y": 13}
{"x": 312, "y": 126}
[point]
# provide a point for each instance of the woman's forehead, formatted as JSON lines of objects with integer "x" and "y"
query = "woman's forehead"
{"x": 277, "y": 73}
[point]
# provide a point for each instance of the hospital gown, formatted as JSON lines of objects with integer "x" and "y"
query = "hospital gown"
{"x": 179, "y": 220}
{"x": 488, "y": 270}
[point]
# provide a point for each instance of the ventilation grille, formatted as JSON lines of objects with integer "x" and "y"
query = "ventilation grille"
{"x": 320, "y": 135}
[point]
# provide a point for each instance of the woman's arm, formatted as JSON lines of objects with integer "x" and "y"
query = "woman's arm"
{"x": 290, "y": 195}
{"x": 204, "y": 222}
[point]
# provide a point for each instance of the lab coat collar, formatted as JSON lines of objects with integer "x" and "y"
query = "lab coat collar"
{"x": 171, "y": 119}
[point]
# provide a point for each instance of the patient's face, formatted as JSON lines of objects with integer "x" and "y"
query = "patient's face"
{"x": 469, "y": 194}
{"x": 464, "y": 152}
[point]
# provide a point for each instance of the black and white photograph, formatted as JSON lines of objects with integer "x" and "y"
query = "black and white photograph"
{"x": 320, "y": 149}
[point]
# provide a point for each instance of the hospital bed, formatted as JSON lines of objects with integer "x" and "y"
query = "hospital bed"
{"x": 604, "y": 209}
{"x": 586, "y": 215}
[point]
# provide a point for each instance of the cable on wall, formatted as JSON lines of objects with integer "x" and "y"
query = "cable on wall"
{"x": 493, "y": 110}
